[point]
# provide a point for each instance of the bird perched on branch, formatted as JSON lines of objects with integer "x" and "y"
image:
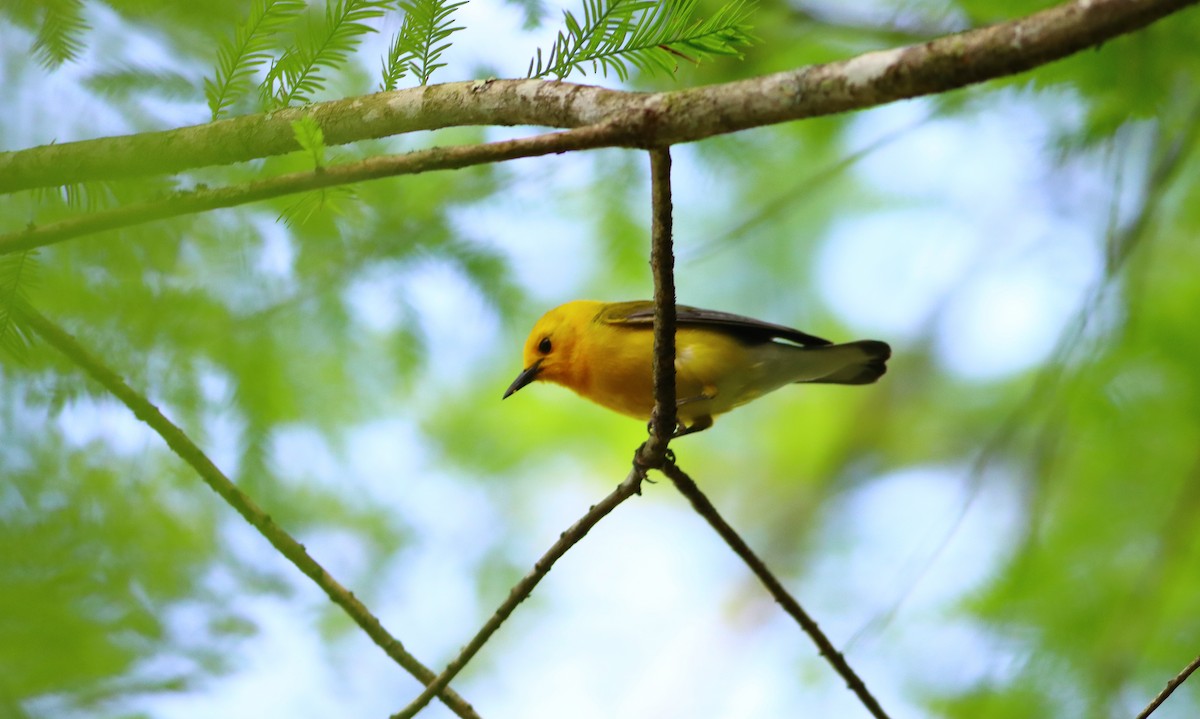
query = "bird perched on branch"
{"x": 604, "y": 351}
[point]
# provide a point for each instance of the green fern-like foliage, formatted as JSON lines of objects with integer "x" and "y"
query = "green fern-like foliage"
{"x": 88, "y": 196}
{"x": 131, "y": 82}
{"x": 421, "y": 41}
{"x": 311, "y": 139}
{"x": 648, "y": 35}
{"x": 239, "y": 57}
{"x": 17, "y": 275}
{"x": 331, "y": 200}
{"x": 59, "y": 38}
{"x": 298, "y": 73}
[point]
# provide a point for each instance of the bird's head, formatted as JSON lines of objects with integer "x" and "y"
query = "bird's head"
{"x": 550, "y": 350}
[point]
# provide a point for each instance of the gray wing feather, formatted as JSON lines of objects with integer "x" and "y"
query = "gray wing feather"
{"x": 748, "y": 328}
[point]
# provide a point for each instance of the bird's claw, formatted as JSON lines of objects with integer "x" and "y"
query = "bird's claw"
{"x": 641, "y": 467}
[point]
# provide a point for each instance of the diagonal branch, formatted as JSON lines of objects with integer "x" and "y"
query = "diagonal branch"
{"x": 437, "y": 158}
{"x": 706, "y": 509}
{"x": 1172, "y": 685}
{"x": 295, "y": 552}
{"x": 874, "y": 78}
{"x": 523, "y": 588}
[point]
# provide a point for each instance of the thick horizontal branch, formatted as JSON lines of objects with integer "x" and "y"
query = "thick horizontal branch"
{"x": 681, "y": 116}
{"x": 438, "y": 158}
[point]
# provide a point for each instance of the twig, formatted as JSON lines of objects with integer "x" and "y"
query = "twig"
{"x": 524, "y": 588}
{"x": 437, "y": 158}
{"x": 295, "y": 552}
{"x": 1172, "y": 154}
{"x": 662, "y": 264}
{"x": 1172, "y": 685}
{"x": 706, "y": 509}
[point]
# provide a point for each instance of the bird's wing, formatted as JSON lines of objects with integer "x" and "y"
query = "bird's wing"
{"x": 642, "y": 313}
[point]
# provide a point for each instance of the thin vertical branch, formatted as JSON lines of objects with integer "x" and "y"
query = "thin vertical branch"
{"x": 295, "y": 552}
{"x": 706, "y": 509}
{"x": 523, "y": 589}
{"x": 1172, "y": 685}
{"x": 652, "y": 454}
{"x": 662, "y": 265}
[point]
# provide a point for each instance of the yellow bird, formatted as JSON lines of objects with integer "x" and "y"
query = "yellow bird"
{"x": 604, "y": 351}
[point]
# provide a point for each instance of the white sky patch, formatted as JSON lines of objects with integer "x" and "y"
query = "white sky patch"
{"x": 979, "y": 161}
{"x": 901, "y": 521}
{"x": 492, "y": 37}
{"x": 86, "y": 420}
{"x": 996, "y": 286}
{"x": 460, "y": 327}
{"x": 1009, "y": 321}
{"x": 457, "y": 324}
{"x": 549, "y": 251}
{"x": 887, "y": 273}
{"x": 301, "y": 455}
{"x": 1008, "y": 315}
{"x": 282, "y": 641}
{"x": 376, "y": 298}
{"x": 41, "y": 101}
{"x": 390, "y": 461}
{"x": 535, "y": 222}
{"x": 277, "y": 254}
{"x": 906, "y": 550}
{"x": 709, "y": 196}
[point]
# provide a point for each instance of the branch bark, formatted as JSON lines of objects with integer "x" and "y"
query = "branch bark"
{"x": 413, "y": 163}
{"x": 1172, "y": 685}
{"x": 871, "y": 79}
{"x": 653, "y": 453}
{"x": 521, "y": 591}
{"x": 295, "y": 552}
{"x": 688, "y": 488}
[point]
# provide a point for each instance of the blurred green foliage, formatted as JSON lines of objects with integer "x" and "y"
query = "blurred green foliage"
{"x": 245, "y": 328}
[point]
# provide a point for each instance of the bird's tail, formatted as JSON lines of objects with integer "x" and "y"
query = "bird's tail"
{"x": 860, "y": 362}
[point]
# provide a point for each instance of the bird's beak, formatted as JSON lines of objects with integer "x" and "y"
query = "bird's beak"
{"x": 527, "y": 375}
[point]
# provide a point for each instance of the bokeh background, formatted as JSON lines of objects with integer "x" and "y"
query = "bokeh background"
{"x": 1004, "y": 526}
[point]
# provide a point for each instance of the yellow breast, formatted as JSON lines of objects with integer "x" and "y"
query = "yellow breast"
{"x": 620, "y": 371}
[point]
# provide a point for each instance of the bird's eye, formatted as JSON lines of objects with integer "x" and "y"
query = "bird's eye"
{"x": 544, "y": 346}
